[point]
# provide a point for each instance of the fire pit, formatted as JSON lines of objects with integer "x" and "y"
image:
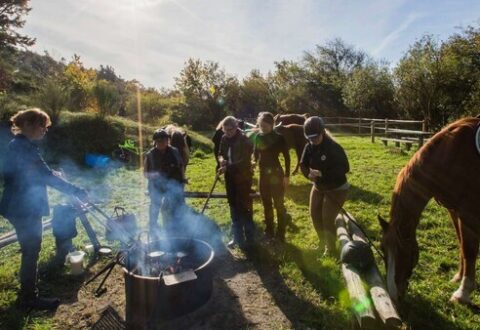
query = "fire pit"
{"x": 165, "y": 279}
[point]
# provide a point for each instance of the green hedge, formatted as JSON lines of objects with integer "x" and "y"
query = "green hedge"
{"x": 76, "y": 135}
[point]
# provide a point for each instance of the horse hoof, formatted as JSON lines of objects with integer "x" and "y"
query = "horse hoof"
{"x": 456, "y": 278}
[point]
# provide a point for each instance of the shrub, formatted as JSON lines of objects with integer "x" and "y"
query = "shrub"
{"x": 82, "y": 134}
{"x": 199, "y": 154}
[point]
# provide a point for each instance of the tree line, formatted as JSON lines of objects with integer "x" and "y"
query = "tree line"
{"x": 436, "y": 81}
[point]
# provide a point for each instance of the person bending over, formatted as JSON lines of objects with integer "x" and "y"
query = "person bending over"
{"x": 325, "y": 163}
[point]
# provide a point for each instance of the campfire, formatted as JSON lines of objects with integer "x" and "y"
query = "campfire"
{"x": 165, "y": 279}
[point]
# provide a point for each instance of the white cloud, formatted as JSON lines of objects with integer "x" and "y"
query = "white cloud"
{"x": 396, "y": 33}
{"x": 151, "y": 39}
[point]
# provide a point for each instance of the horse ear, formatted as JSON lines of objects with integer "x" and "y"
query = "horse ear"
{"x": 384, "y": 224}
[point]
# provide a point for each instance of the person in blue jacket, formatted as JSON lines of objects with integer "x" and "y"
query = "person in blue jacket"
{"x": 24, "y": 201}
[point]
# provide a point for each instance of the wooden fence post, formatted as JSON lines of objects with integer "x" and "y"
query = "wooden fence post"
{"x": 359, "y": 125}
{"x": 424, "y": 126}
{"x": 386, "y": 126}
{"x": 372, "y": 131}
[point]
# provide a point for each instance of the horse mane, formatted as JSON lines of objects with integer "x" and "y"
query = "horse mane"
{"x": 428, "y": 175}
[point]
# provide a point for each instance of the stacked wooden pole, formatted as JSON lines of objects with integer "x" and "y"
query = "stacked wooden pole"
{"x": 368, "y": 293}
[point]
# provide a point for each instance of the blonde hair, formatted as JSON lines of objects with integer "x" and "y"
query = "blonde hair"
{"x": 31, "y": 116}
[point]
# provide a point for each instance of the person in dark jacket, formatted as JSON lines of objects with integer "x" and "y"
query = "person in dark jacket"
{"x": 273, "y": 180}
{"x": 325, "y": 163}
{"x": 163, "y": 168}
{"x": 235, "y": 156}
{"x": 24, "y": 201}
{"x": 217, "y": 138}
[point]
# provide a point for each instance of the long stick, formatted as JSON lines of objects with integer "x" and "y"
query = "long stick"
{"x": 378, "y": 291}
{"x": 361, "y": 303}
{"x": 217, "y": 176}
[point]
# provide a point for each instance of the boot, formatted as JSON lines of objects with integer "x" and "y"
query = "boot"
{"x": 233, "y": 244}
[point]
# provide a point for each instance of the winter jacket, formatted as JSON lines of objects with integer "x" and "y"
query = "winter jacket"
{"x": 328, "y": 157}
{"x": 26, "y": 177}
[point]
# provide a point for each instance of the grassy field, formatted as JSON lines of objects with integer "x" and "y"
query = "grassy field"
{"x": 320, "y": 297}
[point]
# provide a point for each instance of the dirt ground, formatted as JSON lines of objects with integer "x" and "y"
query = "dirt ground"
{"x": 241, "y": 298}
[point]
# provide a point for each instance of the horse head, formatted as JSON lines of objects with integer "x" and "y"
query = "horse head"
{"x": 400, "y": 251}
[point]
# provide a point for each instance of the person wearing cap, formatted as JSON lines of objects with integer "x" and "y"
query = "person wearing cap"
{"x": 164, "y": 171}
{"x": 235, "y": 154}
{"x": 325, "y": 163}
{"x": 268, "y": 145}
{"x": 25, "y": 201}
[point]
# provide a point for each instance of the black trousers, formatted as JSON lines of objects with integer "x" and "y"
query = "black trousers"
{"x": 272, "y": 190}
{"x": 241, "y": 206}
{"x": 29, "y": 233}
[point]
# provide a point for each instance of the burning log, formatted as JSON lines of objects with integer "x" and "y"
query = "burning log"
{"x": 361, "y": 303}
{"x": 381, "y": 299}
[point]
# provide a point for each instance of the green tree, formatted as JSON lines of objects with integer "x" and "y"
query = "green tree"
{"x": 420, "y": 76}
{"x": 461, "y": 85}
{"x": 255, "y": 96}
{"x": 203, "y": 86}
{"x": 327, "y": 69}
{"x": 369, "y": 91}
{"x": 12, "y": 14}
{"x": 107, "y": 97}
{"x": 290, "y": 86}
{"x": 53, "y": 98}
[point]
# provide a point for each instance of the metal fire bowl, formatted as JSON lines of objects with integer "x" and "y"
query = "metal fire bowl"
{"x": 149, "y": 300}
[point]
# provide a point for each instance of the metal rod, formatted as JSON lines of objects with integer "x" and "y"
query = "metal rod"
{"x": 217, "y": 176}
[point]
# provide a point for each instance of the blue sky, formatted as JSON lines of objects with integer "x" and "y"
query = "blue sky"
{"x": 151, "y": 39}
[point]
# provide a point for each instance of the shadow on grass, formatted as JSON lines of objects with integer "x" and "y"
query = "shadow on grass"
{"x": 300, "y": 312}
{"x": 52, "y": 283}
{"x": 300, "y": 194}
{"x": 419, "y": 313}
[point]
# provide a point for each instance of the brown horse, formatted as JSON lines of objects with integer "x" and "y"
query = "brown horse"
{"x": 178, "y": 139}
{"x": 295, "y": 140}
{"x": 290, "y": 118}
{"x": 447, "y": 168}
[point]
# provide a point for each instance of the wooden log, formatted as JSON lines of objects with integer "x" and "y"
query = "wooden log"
{"x": 361, "y": 304}
{"x": 381, "y": 299}
{"x": 204, "y": 194}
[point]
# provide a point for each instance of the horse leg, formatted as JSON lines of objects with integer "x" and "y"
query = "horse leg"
{"x": 299, "y": 152}
{"x": 470, "y": 251}
{"x": 456, "y": 223}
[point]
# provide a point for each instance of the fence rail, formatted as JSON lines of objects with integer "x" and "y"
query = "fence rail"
{"x": 395, "y": 130}
{"x": 389, "y": 130}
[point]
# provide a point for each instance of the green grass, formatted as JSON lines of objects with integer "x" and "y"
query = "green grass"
{"x": 313, "y": 294}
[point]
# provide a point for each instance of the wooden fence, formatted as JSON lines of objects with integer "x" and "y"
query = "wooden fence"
{"x": 398, "y": 131}
{"x": 407, "y": 132}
